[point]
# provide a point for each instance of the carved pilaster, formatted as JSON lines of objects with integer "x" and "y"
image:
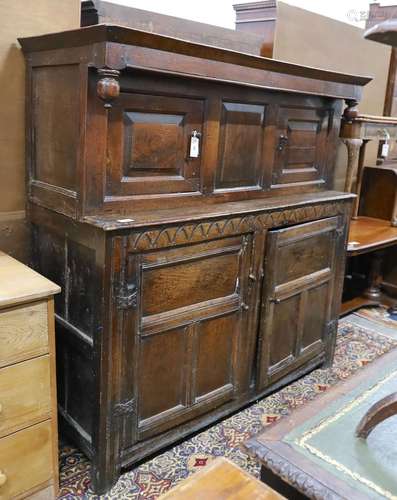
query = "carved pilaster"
{"x": 108, "y": 87}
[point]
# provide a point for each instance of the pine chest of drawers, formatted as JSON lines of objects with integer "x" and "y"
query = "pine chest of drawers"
{"x": 28, "y": 416}
{"x": 182, "y": 197}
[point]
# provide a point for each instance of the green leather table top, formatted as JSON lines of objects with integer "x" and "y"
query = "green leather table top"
{"x": 329, "y": 440}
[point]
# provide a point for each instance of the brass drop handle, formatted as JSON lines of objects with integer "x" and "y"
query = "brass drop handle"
{"x": 244, "y": 306}
{"x": 275, "y": 301}
{"x": 282, "y": 142}
{"x": 3, "y": 478}
{"x": 252, "y": 277}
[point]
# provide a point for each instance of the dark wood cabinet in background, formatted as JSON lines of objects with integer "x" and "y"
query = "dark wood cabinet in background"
{"x": 196, "y": 277}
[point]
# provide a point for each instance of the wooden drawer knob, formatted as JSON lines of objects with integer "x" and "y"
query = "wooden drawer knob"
{"x": 3, "y": 478}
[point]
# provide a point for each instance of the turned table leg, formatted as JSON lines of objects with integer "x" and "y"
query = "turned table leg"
{"x": 354, "y": 159}
{"x": 380, "y": 411}
{"x": 373, "y": 291}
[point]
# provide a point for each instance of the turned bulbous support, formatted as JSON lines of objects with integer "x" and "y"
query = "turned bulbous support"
{"x": 108, "y": 87}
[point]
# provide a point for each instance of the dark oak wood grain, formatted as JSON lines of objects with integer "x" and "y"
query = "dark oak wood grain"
{"x": 171, "y": 256}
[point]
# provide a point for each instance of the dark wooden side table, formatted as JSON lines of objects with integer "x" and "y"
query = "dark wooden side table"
{"x": 370, "y": 236}
{"x": 356, "y": 131}
{"x": 314, "y": 453}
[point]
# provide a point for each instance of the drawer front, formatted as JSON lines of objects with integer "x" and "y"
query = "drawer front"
{"x": 23, "y": 332}
{"x": 26, "y": 459}
{"x": 24, "y": 394}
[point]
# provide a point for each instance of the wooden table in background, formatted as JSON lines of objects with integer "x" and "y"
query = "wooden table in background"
{"x": 369, "y": 235}
{"x": 221, "y": 480}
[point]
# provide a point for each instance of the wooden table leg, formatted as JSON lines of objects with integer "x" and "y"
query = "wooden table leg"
{"x": 360, "y": 173}
{"x": 380, "y": 411}
{"x": 373, "y": 292}
{"x": 353, "y": 150}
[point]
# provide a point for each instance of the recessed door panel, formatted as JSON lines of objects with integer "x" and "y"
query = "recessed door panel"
{"x": 240, "y": 156}
{"x": 184, "y": 283}
{"x": 284, "y": 318}
{"x": 153, "y": 144}
{"x": 303, "y": 258}
{"x": 162, "y": 381}
{"x": 317, "y": 299}
{"x": 216, "y": 356}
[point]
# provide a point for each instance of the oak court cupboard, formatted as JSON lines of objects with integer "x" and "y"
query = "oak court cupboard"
{"x": 182, "y": 197}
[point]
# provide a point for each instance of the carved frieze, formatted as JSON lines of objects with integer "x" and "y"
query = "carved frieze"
{"x": 190, "y": 232}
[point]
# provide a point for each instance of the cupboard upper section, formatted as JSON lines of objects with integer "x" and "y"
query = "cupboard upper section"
{"x": 120, "y": 120}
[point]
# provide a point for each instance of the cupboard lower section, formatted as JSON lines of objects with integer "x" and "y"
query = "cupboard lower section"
{"x": 162, "y": 330}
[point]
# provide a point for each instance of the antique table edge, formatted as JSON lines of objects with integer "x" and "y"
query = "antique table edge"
{"x": 287, "y": 471}
{"x": 261, "y": 446}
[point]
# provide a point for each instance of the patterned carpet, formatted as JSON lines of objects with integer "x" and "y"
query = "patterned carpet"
{"x": 358, "y": 344}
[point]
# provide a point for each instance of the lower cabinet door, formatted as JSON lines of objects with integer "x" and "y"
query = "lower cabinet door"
{"x": 299, "y": 276}
{"x": 191, "y": 319}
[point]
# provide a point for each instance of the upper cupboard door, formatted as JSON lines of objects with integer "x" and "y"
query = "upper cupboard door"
{"x": 302, "y": 145}
{"x": 242, "y": 142}
{"x": 149, "y": 145}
